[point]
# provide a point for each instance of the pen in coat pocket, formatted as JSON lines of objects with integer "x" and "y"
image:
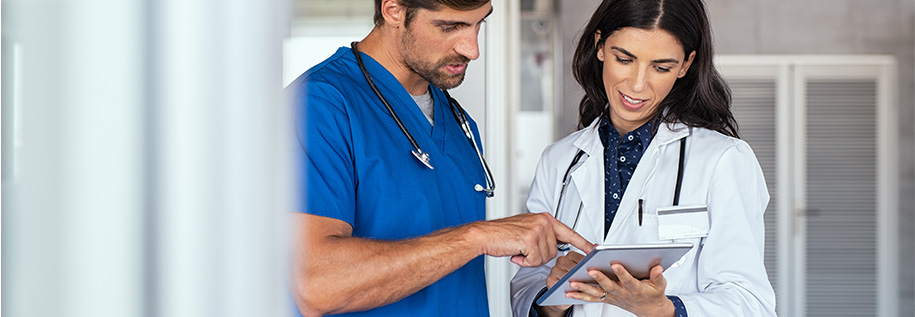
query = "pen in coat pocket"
{"x": 640, "y": 212}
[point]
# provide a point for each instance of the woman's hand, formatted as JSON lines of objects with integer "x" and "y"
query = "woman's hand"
{"x": 640, "y": 297}
{"x": 563, "y": 265}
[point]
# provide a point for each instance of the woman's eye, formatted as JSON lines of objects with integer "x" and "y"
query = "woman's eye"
{"x": 623, "y": 61}
{"x": 663, "y": 69}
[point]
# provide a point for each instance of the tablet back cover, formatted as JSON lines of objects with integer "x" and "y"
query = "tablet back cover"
{"x": 638, "y": 259}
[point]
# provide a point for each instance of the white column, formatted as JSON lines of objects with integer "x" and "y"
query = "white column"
{"x": 74, "y": 158}
{"x": 220, "y": 140}
{"x": 143, "y": 158}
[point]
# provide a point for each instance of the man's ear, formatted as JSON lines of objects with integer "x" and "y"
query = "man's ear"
{"x": 392, "y": 12}
{"x": 686, "y": 64}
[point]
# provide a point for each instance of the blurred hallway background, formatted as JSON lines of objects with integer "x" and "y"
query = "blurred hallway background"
{"x": 144, "y": 170}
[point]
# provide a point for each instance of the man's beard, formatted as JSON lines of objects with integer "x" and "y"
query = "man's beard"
{"x": 431, "y": 72}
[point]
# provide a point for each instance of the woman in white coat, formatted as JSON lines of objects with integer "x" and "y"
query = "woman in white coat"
{"x": 650, "y": 90}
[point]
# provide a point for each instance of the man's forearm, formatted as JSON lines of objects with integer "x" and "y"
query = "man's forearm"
{"x": 342, "y": 274}
{"x": 335, "y": 272}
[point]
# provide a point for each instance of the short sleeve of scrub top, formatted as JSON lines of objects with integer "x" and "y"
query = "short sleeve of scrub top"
{"x": 326, "y": 156}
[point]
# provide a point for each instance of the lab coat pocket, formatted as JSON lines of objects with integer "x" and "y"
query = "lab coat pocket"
{"x": 627, "y": 230}
{"x": 679, "y": 274}
{"x": 648, "y": 230}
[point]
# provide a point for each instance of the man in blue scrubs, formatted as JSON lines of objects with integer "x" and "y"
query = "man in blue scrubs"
{"x": 379, "y": 233}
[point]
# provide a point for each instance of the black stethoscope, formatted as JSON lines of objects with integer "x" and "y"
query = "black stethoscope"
{"x": 459, "y": 115}
{"x": 566, "y": 179}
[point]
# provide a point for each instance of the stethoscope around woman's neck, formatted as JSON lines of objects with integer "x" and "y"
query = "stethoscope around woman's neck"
{"x": 418, "y": 152}
{"x": 575, "y": 160}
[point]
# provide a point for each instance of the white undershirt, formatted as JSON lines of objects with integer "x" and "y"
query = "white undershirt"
{"x": 426, "y": 104}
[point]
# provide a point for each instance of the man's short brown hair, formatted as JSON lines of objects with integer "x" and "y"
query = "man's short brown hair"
{"x": 432, "y": 5}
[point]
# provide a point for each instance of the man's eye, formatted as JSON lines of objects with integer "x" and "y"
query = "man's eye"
{"x": 449, "y": 28}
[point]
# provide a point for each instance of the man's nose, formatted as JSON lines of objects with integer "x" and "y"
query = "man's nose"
{"x": 469, "y": 46}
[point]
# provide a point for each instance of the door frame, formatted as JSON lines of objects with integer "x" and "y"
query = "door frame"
{"x": 790, "y": 73}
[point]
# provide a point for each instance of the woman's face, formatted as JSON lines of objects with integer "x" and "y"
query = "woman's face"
{"x": 639, "y": 70}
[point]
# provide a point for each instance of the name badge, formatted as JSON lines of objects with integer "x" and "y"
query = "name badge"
{"x": 681, "y": 222}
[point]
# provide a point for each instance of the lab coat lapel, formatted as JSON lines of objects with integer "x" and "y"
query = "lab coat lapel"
{"x": 589, "y": 183}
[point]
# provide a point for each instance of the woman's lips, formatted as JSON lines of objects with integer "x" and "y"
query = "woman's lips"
{"x": 630, "y": 102}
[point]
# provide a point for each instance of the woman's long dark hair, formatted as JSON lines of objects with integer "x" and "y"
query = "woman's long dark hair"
{"x": 700, "y": 99}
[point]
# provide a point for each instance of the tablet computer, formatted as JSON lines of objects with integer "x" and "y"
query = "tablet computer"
{"x": 638, "y": 259}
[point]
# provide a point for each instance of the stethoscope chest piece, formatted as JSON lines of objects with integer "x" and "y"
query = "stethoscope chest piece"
{"x": 423, "y": 157}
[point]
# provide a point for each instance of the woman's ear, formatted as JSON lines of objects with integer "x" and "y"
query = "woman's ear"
{"x": 599, "y": 48}
{"x": 686, "y": 64}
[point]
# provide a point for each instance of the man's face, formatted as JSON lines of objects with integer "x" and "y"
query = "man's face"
{"x": 437, "y": 45}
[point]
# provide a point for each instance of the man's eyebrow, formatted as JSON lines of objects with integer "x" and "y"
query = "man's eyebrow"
{"x": 657, "y": 61}
{"x": 453, "y": 22}
{"x": 449, "y": 22}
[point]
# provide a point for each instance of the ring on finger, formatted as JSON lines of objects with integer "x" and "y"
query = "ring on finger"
{"x": 601, "y": 298}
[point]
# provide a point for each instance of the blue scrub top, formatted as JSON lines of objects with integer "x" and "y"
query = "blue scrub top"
{"x": 356, "y": 166}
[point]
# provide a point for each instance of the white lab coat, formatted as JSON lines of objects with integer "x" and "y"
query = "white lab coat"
{"x": 723, "y": 274}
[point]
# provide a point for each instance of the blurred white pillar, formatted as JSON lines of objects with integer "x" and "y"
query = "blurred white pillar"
{"x": 73, "y": 149}
{"x": 143, "y": 158}
{"x": 220, "y": 135}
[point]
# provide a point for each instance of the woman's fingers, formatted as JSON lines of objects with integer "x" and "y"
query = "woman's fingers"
{"x": 563, "y": 265}
{"x": 657, "y": 277}
{"x": 626, "y": 279}
{"x": 587, "y": 292}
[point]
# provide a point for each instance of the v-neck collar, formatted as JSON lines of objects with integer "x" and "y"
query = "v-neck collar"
{"x": 406, "y": 108}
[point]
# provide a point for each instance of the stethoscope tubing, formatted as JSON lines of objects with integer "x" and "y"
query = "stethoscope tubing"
{"x": 565, "y": 180}
{"x": 459, "y": 115}
{"x": 417, "y": 151}
{"x": 575, "y": 160}
{"x": 562, "y": 190}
